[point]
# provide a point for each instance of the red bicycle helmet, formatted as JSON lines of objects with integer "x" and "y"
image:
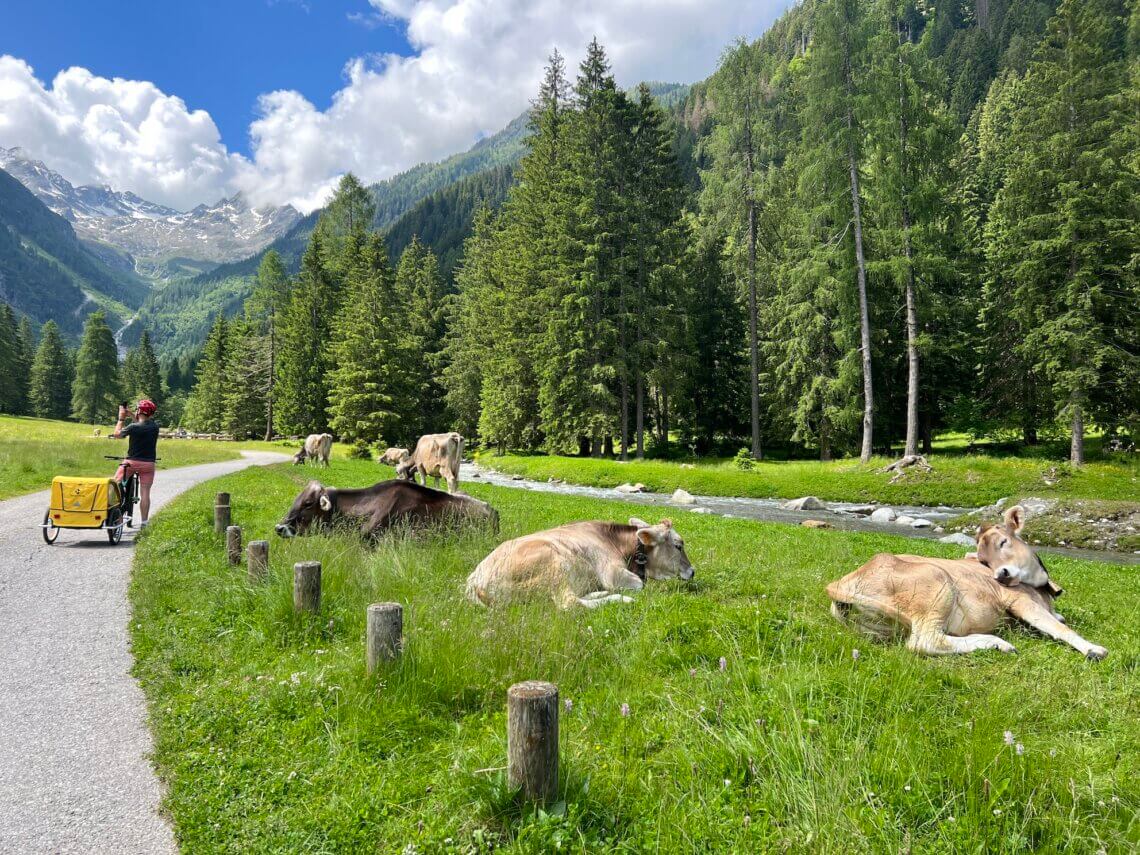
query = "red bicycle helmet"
{"x": 146, "y": 407}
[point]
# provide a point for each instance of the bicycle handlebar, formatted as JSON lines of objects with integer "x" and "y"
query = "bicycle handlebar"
{"x": 121, "y": 457}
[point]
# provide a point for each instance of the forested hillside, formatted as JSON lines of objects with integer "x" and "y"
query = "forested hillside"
{"x": 45, "y": 271}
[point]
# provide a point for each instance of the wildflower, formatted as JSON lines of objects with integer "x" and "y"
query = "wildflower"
{"x": 950, "y": 818}
{"x": 747, "y": 820}
{"x": 569, "y": 705}
{"x": 625, "y": 710}
{"x": 906, "y": 788}
{"x": 692, "y": 672}
{"x": 1008, "y": 737}
{"x": 997, "y": 811}
{"x": 1052, "y": 752}
{"x": 1019, "y": 748}
{"x": 723, "y": 664}
{"x": 855, "y": 654}
{"x": 727, "y": 782}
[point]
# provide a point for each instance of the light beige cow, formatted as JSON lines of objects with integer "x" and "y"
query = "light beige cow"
{"x": 436, "y": 456}
{"x": 395, "y": 456}
{"x": 318, "y": 446}
{"x": 585, "y": 563}
{"x": 953, "y": 606}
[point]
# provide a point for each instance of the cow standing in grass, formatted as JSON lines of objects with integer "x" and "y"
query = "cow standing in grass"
{"x": 317, "y": 446}
{"x": 953, "y": 606}
{"x": 585, "y": 563}
{"x": 436, "y": 456}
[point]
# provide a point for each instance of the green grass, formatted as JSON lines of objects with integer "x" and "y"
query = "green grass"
{"x": 272, "y": 739}
{"x": 33, "y": 451}
{"x": 958, "y": 480}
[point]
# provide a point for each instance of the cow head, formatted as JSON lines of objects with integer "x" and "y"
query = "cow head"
{"x": 313, "y": 506}
{"x": 406, "y": 469}
{"x": 664, "y": 550}
{"x": 1010, "y": 558}
{"x": 474, "y": 509}
{"x": 300, "y": 456}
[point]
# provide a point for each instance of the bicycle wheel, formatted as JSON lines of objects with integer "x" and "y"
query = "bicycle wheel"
{"x": 50, "y": 530}
{"x": 132, "y": 499}
{"x": 115, "y": 526}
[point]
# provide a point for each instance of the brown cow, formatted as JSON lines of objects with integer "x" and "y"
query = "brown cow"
{"x": 585, "y": 563}
{"x": 436, "y": 455}
{"x": 317, "y": 446}
{"x": 953, "y": 606}
{"x": 394, "y": 456}
{"x": 381, "y": 506}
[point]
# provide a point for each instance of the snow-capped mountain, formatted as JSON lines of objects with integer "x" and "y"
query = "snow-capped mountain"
{"x": 225, "y": 231}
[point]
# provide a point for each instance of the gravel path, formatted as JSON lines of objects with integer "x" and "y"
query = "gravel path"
{"x": 74, "y": 746}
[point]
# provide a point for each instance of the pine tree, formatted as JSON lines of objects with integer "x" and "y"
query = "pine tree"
{"x": 141, "y": 375}
{"x": 420, "y": 291}
{"x": 371, "y": 386}
{"x": 96, "y": 392}
{"x": 349, "y": 213}
{"x": 269, "y": 298}
{"x": 26, "y": 351}
{"x": 306, "y": 345}
{"x": 11, "y": 354}
{"x": 206, "y": 406}
{"x": 245, "y": 396}
{"x": 1063, "y": 225}
{"x": 51, "y": 376}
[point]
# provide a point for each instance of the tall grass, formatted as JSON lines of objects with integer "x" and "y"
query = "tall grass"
{"x": 273, "y": 739}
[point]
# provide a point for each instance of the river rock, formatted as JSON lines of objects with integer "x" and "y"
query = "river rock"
{"x": 958, "y": 537}
{"x": 630, "y": 488}
{"x": 861, "y": 510}
{"x": 699, "y": 511}
{"x": 815, "y": 524}
{"x": 1034, "y": 506}
{"x": 516, "y": 477}
{"x": 682, "y": 497}
{"x": 807, "y": 503}
{"x": 883, "y": 515}
{"x": 922, "y": 523}
{"x": 903, "y": 519}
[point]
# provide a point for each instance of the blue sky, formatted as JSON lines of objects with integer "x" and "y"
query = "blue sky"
{"x": 184, "y": 102}
{"x": 217, "y": 55}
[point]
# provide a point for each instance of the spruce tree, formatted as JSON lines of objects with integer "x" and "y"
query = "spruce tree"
{"x": 244, "y": 399}
{"x": 141, "y": 375}
{"x": 26, "y": 351}
{"x": 11, "y": 355}
{"x": 51, "y": 376}
{"x": 306, "y": 346}
{"x": 348, "y": 214}
{"x": 206, "y": 406}
{"x": 269, "y": 298}
{"x": 96, "y": 392}
{"x": 420, "y": 291}
{"x": 371, "y": 385}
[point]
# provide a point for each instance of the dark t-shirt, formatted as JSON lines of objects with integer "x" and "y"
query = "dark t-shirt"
{"x": 142, "y": 440}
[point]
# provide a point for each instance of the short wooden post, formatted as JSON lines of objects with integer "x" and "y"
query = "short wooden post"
{"x": 384, "y": 633}
{"x": 233, "y": 543}
{"x": 257, "y": 561}
{"x": 532, "y": 739}
{"x": 221, "y": 512}
{"x": 307, "y": 586}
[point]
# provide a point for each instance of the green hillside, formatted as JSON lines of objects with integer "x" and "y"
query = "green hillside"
{"x": 47, "y": 272}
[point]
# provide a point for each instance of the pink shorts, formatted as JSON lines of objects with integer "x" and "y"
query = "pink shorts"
{"x": 143, "y": 468}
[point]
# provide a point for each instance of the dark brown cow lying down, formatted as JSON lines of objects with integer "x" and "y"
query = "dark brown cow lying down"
{"x": 381, "y": 506}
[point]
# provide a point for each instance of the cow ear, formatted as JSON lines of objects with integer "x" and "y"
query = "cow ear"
{"x": 637, "y": 522}
{"x": 1015, "y": 518}
{"x": 668, "y": 523}
{"x": 646, "y": 536}
{"x": 326, "y": 504}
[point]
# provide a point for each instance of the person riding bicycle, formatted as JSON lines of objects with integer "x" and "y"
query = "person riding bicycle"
{"x": 142, "y": 445}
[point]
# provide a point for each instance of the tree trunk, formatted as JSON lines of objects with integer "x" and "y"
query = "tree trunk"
{"x": 595, "y": 446}
{"x": 911, "y": 447}
{"x": 272, "y": 378}
{"x": 753, "y": 341}
{"x": 824, "y": 440}
{"x": 639, "y": 395}
{"x": 624, "y": 415}
{"x": 927, "y": 433}
{"x": 1077, "y": 447}
{"x": 608, "y": 446}
{"x": 664, "y": 420}
{"x": 861, "y": 271}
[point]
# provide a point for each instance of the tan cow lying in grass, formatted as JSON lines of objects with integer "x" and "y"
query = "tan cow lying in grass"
{"x": 953, "y": 606}
{"x": 585, "y": 563}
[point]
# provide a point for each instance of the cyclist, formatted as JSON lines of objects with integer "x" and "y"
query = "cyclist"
{"x": 142, "y": 436}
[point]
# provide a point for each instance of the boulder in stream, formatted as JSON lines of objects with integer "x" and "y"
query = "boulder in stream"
{"x": 883, "y": 515}
{"x": 806, "y": 503}
{"x": 681, "y": 497}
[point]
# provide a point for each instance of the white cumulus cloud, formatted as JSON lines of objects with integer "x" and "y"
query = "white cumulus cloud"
{"x": 475, "y": 65}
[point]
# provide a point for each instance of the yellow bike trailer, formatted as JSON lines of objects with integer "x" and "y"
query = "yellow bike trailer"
{"x": 84, "y": 503}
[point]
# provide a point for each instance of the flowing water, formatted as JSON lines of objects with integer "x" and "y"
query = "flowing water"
{"x": 846, "y": 516}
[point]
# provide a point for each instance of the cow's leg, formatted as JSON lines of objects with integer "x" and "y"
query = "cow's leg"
{"x": 452, "y": 482}
{"x": 434, "y": 482}
{"x": 1042, "y": 620}
{"x": 930, "y": 638}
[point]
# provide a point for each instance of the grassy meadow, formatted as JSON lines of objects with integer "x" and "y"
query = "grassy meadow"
{"x": 756, "y": 723}
{"x": 958, "y": 479}
{"x": 33, "y": 451}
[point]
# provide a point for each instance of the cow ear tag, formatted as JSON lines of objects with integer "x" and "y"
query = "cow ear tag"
{"x": 326, "y": 505}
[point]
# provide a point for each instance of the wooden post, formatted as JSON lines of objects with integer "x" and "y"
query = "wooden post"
{"x": 257, "y": 561}
{"x": 532, "y": 739}
{"x": 307, "y": 586}
{"x": 233, "y": 543}
{"x": 384, "y": 633}
{"x": 221, "y": 512}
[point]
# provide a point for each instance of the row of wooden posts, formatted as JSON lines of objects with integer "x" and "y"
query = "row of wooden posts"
{"x": 532, "y": 706}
